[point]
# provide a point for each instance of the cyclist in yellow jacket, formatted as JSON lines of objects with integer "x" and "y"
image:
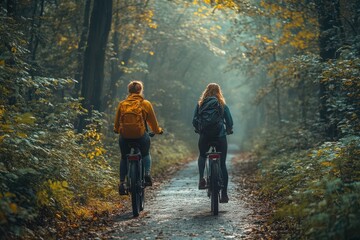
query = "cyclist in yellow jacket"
{"x": 135, "y": 100}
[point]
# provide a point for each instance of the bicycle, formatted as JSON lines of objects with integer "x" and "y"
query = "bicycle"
{"x": 213, "y": 177}
{"x": 136, "y": 178}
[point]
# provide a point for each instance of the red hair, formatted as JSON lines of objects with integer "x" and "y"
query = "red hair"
{"x": 212, "y": 89}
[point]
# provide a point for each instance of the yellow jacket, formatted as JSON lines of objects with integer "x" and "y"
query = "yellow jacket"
{"x": 148, "y": 110}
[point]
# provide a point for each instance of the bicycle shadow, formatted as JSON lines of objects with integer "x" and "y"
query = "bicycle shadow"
{"x": 128, "y": 216}
{"x": 208, "y": 215}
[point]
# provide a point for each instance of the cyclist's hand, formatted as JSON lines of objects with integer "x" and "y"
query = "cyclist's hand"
{"x": 161, "y": 131}
{"x": 229, "y": 131}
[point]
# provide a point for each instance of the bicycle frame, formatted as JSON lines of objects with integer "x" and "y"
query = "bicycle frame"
{"x": 135, "y": 181}
{"x": 214, "y": 177}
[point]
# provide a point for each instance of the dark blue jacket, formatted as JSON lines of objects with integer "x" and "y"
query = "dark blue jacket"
{"x": 226, "y": 125}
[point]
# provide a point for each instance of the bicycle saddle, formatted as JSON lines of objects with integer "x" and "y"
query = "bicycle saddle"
{"x": 213, "y": 144}
{"x": 134, "y": 145}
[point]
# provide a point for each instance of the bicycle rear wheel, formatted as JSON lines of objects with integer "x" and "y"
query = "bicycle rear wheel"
{"x": 215, "y": 171}
{"x": 134, "y": 189}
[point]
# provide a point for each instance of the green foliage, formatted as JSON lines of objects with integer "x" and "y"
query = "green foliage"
{"x": 47, "y": 170}
{"x": 343, "y": 90}
{"x": 167, "y": 153}
{"x": 316, "y": 191}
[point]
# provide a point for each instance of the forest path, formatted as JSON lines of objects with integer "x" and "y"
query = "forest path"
{"x": 180, "y": 211}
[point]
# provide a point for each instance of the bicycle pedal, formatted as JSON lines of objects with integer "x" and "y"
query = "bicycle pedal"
{"x": 123, "y": 190}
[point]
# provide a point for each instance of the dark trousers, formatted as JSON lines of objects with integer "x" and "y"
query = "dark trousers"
{"x": 144, "y": 143}
{"x": 220, "y": 147}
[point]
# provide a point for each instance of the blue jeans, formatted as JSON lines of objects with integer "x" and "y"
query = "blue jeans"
{"x": 144, "y": 143}
{"x": 220, "y": 147}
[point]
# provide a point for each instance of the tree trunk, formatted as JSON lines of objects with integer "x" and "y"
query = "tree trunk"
{"x": 115, "y": 72}
{"x": 81, "y": 47}
{"x": 329, "y": 42}
{"x": 124, "y": 56}
{"x": 94, "y": 57}
{"x": 11, "y": 8}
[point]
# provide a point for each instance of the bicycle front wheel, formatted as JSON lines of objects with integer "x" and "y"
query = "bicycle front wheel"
{"x": 136, "y": 200}
{"x": 215, "y": 171}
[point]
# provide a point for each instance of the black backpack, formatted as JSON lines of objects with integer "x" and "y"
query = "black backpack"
{"x": 209, "y": 116}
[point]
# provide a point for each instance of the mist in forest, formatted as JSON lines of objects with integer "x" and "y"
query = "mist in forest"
{"x": 289, "y": 71}
{"x": 180, "y": 65}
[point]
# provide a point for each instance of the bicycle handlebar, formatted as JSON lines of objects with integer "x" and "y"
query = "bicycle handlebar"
{"x": 227, "y": 132}
{"x": 152, "y": 134}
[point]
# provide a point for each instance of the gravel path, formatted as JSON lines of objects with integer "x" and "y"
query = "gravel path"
{"x": 180, "y": 211}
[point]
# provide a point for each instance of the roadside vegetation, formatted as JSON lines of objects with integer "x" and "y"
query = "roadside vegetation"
{"x": 289, "y": 70}
{"x": 53, "y": 178}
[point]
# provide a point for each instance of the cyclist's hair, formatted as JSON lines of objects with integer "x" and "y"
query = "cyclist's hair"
{"x": 135, "y": 87}
{"x": 212, "y": 89}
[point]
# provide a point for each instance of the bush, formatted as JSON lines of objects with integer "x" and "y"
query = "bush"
{"x": 317, "y": 191}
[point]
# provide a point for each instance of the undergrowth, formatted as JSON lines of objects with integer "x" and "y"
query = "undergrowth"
{"x": 316, "y": 190}
{"x": 52, "y": 178}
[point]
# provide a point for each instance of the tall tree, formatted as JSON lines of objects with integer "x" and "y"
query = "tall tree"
{"x": 11, "y": 7}
{"x": 330, "y": 41}
{"x": 94, "y": 57}
{"x": 81, "y": 47}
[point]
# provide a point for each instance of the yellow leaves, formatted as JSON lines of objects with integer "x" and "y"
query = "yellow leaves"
{"x": 13, "y": 207}
{"x": 2, "y": 62}
{"x": 347, "y": 83}
{"x": 70, "y": 133}
{"x": 95, "y": 148}
{"x": 55, "y": 194}
{"x": 91, "y": 155}
{"x": 151, "y": 53}
{"x": 26, "y": 118}
{"x": 97, "y": 152}
{"x": 62, "y": 40}
{"x": 22, "y": 135}
{"x": 2, "y": 111}
{"x": 153, "y": 25}
{"x": 9, "y": 195}
{"x": 57, "y": 185}
{"x": 92, "y": 134}
{"x": 266, "y": 40}
{"x": 297, "y": 28}
{"x": 42, "y": 198}
{"x": 13, "y": 50}
{"x": 215, "y": 28}
{"x": 319, "y": 153}
{"x": 203, "y": 12}
{"x": 327, "y": 164}
{"x": 6, "y": 200}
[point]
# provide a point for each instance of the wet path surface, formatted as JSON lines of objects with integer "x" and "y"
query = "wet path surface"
{"x": 180, "y": 211}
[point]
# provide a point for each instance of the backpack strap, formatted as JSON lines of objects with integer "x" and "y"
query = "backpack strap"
{"x": 145, "y": 123}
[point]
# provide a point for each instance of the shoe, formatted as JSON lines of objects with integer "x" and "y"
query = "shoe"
{"x": 122, "y": 189}
{"x": 224, "y": 198}
{"x": 202, "y": 183}
{"x": 148, "y": 180}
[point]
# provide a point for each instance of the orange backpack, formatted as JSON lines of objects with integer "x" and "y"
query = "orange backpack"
{"x": 132, "y": 122}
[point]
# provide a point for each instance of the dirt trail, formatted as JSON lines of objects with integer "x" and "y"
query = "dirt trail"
{"x": 180, "y": 211}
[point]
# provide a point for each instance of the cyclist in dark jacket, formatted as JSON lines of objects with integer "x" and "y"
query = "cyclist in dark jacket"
{"x": 215, "y": 133}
